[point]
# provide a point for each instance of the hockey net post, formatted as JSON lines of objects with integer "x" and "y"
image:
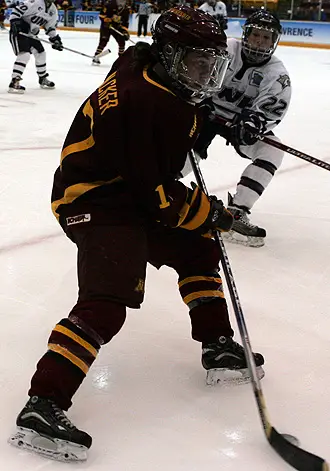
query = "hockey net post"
{"x": 281, "y": 146}
{"x": 297, "y": 457}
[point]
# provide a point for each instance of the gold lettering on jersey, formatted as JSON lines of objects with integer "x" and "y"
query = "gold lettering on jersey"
{"x": 107, "y": 94}
{"x": 88, "y": 111}
{"x": 163, "y": 201}
{"x": 181, "y": 14}
{"x": 194, "y": 127}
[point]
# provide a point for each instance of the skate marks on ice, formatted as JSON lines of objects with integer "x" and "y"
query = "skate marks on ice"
{"x": 17, "y": 102}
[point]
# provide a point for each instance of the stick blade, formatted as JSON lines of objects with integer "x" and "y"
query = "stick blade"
{"x": 295, "y": 456}
{"x": 103, "y": 53}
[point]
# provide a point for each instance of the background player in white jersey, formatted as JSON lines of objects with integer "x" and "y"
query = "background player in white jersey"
{"x": 27, "y": 17}
{"x": 216, "y": 9}
{"x": 255, "y": 96}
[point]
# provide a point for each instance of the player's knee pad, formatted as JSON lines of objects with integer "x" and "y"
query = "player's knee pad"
{"x": 100, "y": 319}
{"x": 40, "y": 57}
{"x": 270, "y": 157}
{"x": 23, "y": 57}
{"x": 204, "y": 258}
{"x": 201, "y": 289}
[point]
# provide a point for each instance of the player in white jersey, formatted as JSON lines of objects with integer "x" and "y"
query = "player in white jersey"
{"x": 255, "y": 96}
{"x": 216, "y": 9}
{"x": 27, "y": 17}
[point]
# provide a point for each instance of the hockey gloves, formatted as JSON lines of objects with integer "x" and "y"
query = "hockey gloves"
{"x": 219, "y": 218}
{"x": 206, "y": 213}
{"x": 124, "y": 32}
{"x": 116, "y": 19}
{"x": 56, "y": 43}
{"x": 247, "y": 127}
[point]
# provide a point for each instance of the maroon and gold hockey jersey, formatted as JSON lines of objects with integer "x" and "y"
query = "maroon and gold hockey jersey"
{"x": 112, "y": 12}
{"x": 3, "y": 7}
{"x": 125, "y": 147}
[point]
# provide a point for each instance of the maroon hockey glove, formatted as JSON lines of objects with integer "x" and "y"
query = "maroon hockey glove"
{"x": 219, "y": 218}
{"x": 206, "y": 213}
{"x": 124, "y": 32}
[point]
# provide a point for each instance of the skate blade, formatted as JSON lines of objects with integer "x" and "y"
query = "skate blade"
{"x": 45, "y": 87}
{"x": 55, "y": 449}
{"x": 231, "y": 377}
{"x": 240, "y": 239}
{"x": 16, "y": 92}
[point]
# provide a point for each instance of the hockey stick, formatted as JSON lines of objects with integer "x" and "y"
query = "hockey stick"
{"x": 121, "y": 34}
{"x": 285, "y": 148}
{"x": 103, "y": 53}
{"x": 292, "y": 454}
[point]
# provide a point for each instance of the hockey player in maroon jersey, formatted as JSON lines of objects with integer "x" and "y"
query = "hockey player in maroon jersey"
{"x": 117, "y": 197}
{"x": 3, "y": 7}
{"x": 114, "y": 22}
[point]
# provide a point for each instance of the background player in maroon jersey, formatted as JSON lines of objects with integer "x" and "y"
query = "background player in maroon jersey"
{"x": 115, "y": 14}
{"x": 117, "y": 197}
{"x": 3, "y": 7}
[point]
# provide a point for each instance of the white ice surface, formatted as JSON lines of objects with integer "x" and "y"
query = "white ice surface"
{"x": 144, "y": 401}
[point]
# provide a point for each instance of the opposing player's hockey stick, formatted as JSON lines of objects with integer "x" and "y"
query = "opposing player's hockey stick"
{"x": 103, "y": 53}
{"x": 285, "y": 148}
{"x": 282, "y": 443}
{"x": 121, "y": 34}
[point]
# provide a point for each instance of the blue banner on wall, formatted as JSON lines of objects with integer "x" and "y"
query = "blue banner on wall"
{"x": 295, "y": 32}
{"x": 82, "y": 19}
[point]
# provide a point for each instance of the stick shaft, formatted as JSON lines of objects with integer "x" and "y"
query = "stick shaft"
{"x": 297, "y": 457}
{"x": 121, "y": 34}
{"x": 283, "y": 147}
{"x": 48, "y": 42}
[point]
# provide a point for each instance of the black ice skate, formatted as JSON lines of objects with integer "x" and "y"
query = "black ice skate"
{"x": 43, "y": 427}
{"x": 96, "y": 61}
{"x": 243, "y": 231}
{"x": 225, "y": 362}
{"x": 15, "y": 87}
{"x": 45, "y": 83}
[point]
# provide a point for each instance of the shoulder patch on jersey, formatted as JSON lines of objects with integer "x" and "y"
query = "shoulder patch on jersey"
{"x": 256, "y": 78}
{"x": 284, "y": 80}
